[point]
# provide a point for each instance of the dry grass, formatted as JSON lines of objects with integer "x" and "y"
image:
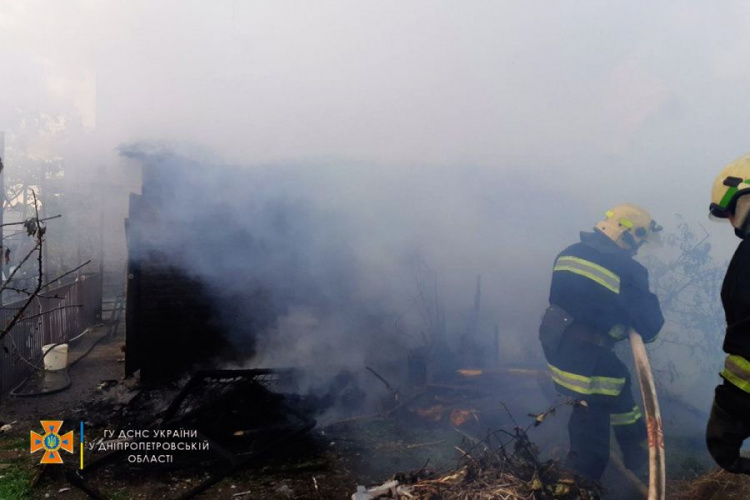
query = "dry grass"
{"x": 716, "y": 485}
{"x": 476, "y": 484}
{"x": 494, "y": 468}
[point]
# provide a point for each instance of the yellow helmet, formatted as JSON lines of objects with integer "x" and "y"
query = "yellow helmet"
{"x": 732, "y": 182}
{"x": 628, "y": 225}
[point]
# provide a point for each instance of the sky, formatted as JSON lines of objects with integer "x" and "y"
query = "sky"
{"x": 637, "y": 97}
{"x": 537, "y": 116}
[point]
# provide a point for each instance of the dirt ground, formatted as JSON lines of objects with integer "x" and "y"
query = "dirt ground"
{"x": 17, "y": 465}
{"x": 313, "y": 469}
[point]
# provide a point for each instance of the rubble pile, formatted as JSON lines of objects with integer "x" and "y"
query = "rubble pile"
{"x": 233, "y": 420}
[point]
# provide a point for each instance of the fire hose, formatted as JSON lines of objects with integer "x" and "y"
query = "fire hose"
{"x": 656, "y": 459}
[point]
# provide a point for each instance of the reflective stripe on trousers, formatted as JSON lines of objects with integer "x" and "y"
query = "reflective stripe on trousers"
{"x": 618, "y": 332}
{"x": 607, "y": 386}
{"x": 737, "y": 371}
{"x": 626, "y": 418}
{"x": 590, "y": 270}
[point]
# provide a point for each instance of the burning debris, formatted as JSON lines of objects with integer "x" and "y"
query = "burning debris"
{"x": 504, "y": 464}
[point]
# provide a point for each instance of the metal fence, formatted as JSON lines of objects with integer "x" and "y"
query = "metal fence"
{"x": 61, "y": 314}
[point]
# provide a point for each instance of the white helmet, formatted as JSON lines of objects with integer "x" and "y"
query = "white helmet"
{"x": 628, "y": 225}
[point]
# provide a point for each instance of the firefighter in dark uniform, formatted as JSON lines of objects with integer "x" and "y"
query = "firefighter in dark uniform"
{"x": 729, "y": 424}
{"x": 598, "y": 293}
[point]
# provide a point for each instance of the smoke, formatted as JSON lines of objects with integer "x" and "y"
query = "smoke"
{"x": 333, "y": 269}
{"x": 360, "y": 155}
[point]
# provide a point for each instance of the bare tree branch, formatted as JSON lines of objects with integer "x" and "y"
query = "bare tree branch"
{"x": 40, "y": 230}
{"x": 35, "y": 219}
{"x": 59, "y": 308}
{"x": 23, "y": 290}
{"x": 68, "y": 273}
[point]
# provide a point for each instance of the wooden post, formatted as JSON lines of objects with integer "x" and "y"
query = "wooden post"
{"x": 2, "y": 204}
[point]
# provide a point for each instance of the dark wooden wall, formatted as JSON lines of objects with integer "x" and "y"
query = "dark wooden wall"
{"x": 170, "y": 316}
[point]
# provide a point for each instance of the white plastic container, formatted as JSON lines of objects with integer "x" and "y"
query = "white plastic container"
{"x": 362, "y": 494}
{"x": 57, "y": 359}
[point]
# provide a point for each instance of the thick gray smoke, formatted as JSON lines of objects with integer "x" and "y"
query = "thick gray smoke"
{"x": 384, "y": 155}
{"x": 334, "y": 268}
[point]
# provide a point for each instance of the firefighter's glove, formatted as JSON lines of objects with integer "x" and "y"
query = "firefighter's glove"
{"x": 724, "y": 437}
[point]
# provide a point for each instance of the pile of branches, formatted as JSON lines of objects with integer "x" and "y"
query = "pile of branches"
{"x": 504, "y": 465}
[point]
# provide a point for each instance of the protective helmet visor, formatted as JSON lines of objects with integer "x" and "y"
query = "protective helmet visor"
{"x": 654, "y": 234}
{"x": 637, "y": 237}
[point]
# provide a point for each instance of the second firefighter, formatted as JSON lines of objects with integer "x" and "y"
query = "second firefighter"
{"x": 598, "y": 293}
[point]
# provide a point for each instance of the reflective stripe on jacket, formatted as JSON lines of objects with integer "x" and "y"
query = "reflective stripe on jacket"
{"x": 590, "y": 270}
{"x": 606, "y": 386}
{"x": 737, "y": 371}
{"x": 603, "y": 287}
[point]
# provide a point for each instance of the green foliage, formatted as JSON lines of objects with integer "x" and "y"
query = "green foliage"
{"x": 15, "y": 443}
{"x": 15, "y": 483}
{"x": 688, "y": 281}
